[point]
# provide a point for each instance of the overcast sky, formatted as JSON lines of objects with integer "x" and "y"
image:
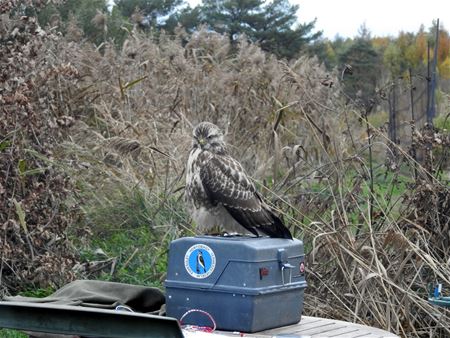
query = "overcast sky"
{"x": 382, "y": 17}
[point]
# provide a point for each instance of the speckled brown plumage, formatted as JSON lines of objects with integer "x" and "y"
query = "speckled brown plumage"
{"x": 219, "y": 193}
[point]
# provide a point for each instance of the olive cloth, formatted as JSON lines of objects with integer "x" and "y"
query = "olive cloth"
{"x": 104, "y": 295}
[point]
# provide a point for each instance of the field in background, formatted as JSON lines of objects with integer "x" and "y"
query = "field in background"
{"x": 93, "y": 143}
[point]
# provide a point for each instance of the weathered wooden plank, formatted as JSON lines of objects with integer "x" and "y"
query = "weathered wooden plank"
{"x": 369, "y": 335}
{"x": 343, "y": 332}
{"x": 336, "y": 332}
{"x": 321, "y": 327}
{"x": 305, "y": 323}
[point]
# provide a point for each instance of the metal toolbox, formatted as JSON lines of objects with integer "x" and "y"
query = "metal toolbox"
{"x": 246, "y": 284}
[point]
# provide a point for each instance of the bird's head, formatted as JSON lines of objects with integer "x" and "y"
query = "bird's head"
{"x": 208, "y": 136}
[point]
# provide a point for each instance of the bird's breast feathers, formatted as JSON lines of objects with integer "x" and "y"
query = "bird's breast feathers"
{"x": 221, "y": 174}
{"x": 195, "y": 193}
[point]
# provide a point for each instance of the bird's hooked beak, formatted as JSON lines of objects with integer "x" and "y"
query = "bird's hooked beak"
{"x": 202, "y": 141}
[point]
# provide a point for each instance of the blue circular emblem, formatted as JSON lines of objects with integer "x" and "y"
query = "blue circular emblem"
{"x": 200, "y": 261}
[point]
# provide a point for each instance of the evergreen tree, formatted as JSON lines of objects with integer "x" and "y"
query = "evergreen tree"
{"x": 118, "y": 26}
{"x": 325, "y": 52}
{"x": 273, "y": 25}
{"x": 83, "y": 11}
{"x": 233, "y": 17}
{"x": 187, "y": 17}
{"x": 365, "y": 63}
{"x": 277, "y": 34}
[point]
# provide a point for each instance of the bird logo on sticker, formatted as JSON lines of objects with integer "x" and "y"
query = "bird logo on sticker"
{"x": 200, "y": 261}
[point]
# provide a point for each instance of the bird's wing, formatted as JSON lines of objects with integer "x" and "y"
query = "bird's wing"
{"x": 225, "y": 182}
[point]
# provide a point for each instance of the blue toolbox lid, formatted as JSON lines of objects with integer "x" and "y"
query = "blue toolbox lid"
{"x": 244, "y": 265}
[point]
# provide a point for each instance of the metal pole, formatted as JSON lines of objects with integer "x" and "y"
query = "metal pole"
{"x": 428, "y": 81}
{"x": 413, "y": 123}
{"x": 434, "y": 75}
{"x": 393, "y": 114}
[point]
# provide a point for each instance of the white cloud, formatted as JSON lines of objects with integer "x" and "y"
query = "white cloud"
{"x": 382, "y": 17}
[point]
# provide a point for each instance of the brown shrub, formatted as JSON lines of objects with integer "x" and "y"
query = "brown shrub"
{"x": 34, "y": 212}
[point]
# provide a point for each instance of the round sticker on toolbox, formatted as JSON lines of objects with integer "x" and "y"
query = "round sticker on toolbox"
{"x": 200, "y": 261}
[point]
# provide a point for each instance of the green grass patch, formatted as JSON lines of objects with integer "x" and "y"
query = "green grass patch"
{"x": 141, "y": 257}
{"x": 350, "y": 193}
{"x": 133, "y": 227}
{"x": 7, "y": 333}
{"x": 442, "y": 122}
{"x": 378, "y": 119}
{"x": 38, "y": 293}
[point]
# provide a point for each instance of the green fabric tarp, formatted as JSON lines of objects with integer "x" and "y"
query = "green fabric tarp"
{"x": 105, "y": 295}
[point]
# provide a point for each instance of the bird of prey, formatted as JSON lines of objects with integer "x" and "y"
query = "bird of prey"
{"x": 200, "y": 262}
{"x": 220, "y": 195}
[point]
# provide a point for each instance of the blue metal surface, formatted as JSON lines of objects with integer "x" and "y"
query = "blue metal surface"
{"x": 246, "y": 284}
{"x": 440, "y": 301}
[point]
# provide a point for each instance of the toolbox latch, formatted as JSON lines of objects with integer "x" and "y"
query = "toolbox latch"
{"x": 284, "y": 264}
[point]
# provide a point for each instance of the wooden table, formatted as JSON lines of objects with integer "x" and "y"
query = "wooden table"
{"x": 318, "y": 327}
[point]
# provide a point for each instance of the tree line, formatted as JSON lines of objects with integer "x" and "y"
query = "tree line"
{"x": 274, "y": 25}
{"x": 378, "y": 60}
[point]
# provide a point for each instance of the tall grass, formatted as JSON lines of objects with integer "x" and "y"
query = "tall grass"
{"x": 370, "y": 255}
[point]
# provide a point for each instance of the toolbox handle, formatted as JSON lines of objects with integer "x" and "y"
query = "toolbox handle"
{"x": 284, "y": 264}
{"x": 289, "y": 267}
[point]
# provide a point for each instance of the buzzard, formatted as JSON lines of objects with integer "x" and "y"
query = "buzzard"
{"x": 220, "y": 195}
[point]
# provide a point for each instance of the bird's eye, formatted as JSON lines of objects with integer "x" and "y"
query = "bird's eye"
{"x": 209, "y": 137}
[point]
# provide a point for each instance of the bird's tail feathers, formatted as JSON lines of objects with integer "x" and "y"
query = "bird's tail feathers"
{"x": 276, "y": 229}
